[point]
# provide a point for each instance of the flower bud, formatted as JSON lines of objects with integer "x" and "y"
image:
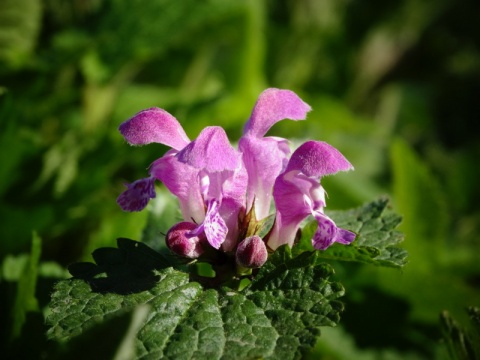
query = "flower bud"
{"x": 251, "y": 252}
{"x": 180, "y": 243}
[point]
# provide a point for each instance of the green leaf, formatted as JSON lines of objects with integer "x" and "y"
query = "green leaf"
{"x": 25, "y": 300}
{"x": 376, "y": 240}
{"x": 298, "y": 298}
{"x": 60, "y": 162}
{"x": 419, "y": 196}
{"x": 118, "y": 336}
{"x": 20, "y": 22}
{"x": 278, "y": 316}
{"x": 462, "y": 343}
{"x": 156, "y": 26}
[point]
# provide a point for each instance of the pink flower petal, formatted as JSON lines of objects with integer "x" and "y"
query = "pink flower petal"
{"x": 182, "y": 180}
{"x": 295, "y": 197}
{"x": 211, "y": 151}
{"x": 298, "y": 194}
{"x": 272, "y": 106}
{"x": 317, "y": 159}
{"x": 154, "y": 125}
{"x": 233, "y": 205}
{"x": 283, "y": 232}
{"x": 251, "y": 252}
{"x": 230, "y": 211}
{"x": 264, "y": 159}
{"x": 180, "y": 243}
{"x": 292, "y": 193}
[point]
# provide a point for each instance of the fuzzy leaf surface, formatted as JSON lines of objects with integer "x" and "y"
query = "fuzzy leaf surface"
{"x": 278, "y": 316}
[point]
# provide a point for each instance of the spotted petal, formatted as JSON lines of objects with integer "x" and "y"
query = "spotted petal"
{"x": 137, "y": 195}
{"x": 214, "y": 226}
{"x": 327, "y": 233}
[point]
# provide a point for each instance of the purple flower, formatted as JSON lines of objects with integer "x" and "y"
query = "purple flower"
{"x": 298, "y": 194}
{"x": 217, "y": 185}
{"x": 180, "y": 243}
{"x": 138, "y": 194}
{"x": 266, "y": 157}
{"x": 251, "y": 252}
{"x": 206, "y": 175}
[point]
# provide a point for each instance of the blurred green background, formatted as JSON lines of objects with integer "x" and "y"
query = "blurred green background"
{"x": 395, "y": 86}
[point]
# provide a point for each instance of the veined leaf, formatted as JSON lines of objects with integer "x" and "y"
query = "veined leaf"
{"x": 278, "y": 316}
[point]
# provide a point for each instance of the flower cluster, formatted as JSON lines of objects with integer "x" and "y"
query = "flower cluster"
{"x": 220, "y": 188}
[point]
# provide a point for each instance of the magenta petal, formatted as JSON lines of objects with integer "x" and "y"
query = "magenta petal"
{"x": 251, "y": 252}
{"x": 317, "y": 159}
{"x": 328, "y": 233}
{"x": 182, "y": 180}
{"x": 264, "y": 159}
{"x": 233, "y": 205}
{"x": 296, "y": 196}
{"x": 230, "y": 212}
{"x": 211, "y": 151}
{"x": 325, "y": 234}
{"x": 344, "y": 237}
{"x": 282, "y": 234}
{"x": 293, "y": 200}
{"x": 214, "y": 226}
{"x": 137, "y": 195}
{"x": 272, "y": 106}
{"x": 180, "y": 243}
{"x": 154, "y": 125}
{"x": 235, "y": 187}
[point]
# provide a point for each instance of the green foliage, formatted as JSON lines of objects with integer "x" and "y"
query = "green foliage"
{"x": 376, "y": 236}
{"x": 462, "y": 343}
{"x": 421, "y": 200}
{"x": 278, "y": 315}
{"x": 149, "y": 27}
{"x": 337, "y": 344}
{"x": 418, "y": 195}
{"x": 19, "y": 29}
{"x": 117, "y": 334}
{"x": 25, "y": 300}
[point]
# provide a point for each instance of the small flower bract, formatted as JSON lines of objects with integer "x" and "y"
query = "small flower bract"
{"x": 221, "y": 190}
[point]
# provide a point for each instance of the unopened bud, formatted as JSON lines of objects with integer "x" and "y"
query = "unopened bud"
{"x": 180, "y": 243}
{"x": 251, "y": 252}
